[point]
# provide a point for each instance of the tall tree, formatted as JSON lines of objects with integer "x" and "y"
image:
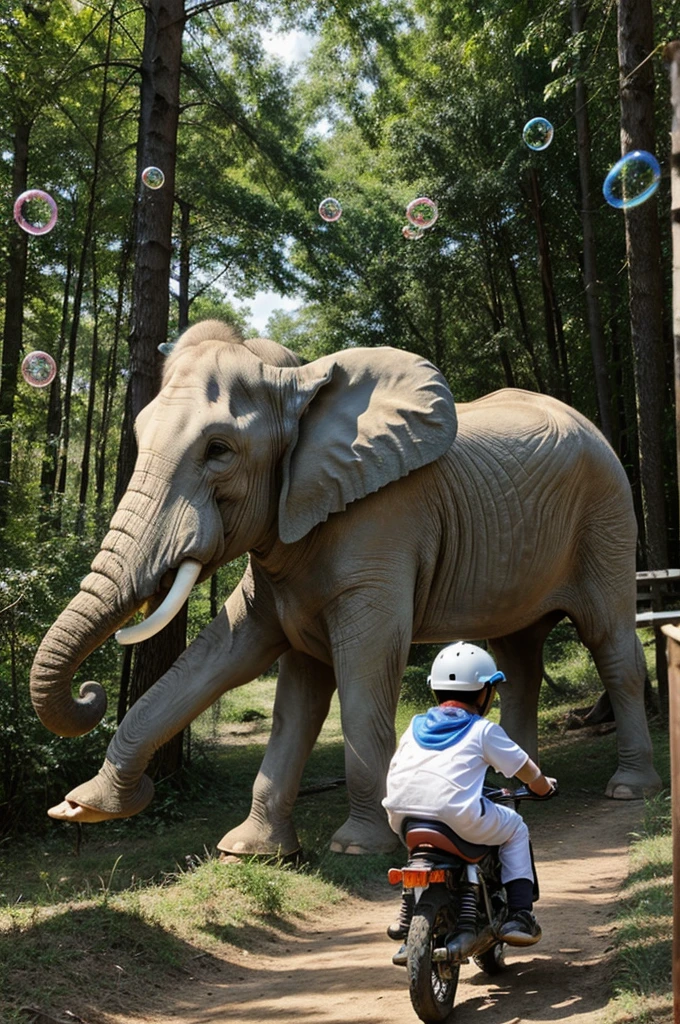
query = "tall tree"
{"x": 156, "y": 147}
{"x": 14, "y": 314}
{"x": 579, "y": 12}
{"x": 164, "y": 24}
{"x": 85, "y": 258}
{"x": 643, "y": 251}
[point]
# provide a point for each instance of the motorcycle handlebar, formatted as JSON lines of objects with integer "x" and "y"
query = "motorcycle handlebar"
{"x": 521, "y": 793}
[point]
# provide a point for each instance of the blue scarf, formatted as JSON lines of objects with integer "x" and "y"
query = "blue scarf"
{"x": 442, "y": 727}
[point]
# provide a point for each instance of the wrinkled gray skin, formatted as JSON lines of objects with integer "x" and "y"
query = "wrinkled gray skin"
{"x": 370, "y": 523}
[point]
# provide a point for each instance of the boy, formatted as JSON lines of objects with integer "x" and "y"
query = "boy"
{"x": 438, "y": 771}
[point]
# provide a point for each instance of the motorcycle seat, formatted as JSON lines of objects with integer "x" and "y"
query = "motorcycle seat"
{"x": 430, "y": 832}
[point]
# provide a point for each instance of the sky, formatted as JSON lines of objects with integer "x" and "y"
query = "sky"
{"x": 262, "y": 306}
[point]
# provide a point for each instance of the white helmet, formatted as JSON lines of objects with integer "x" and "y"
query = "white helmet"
{"x": 463, "y": 666}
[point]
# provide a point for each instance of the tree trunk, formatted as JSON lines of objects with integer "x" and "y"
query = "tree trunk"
{"x": 496, "y": 312}
{"x": 111, "y": 381}
{"x": 157, "y": 147}
{"x": 672, "y": 58}
{"x": 643, "y": 250}
{"x": 590, "y": 278}
{"x": 89, "y": 419}
{"x": 184, "y": 265}
{"x": 151, "y": 660}
{"x": 50, "y": 463}
{"x": 505, "y": 251}
{"x": 14, "y": 316}
{"x": 85, "y": 252}
{"x": 553, "y": 317}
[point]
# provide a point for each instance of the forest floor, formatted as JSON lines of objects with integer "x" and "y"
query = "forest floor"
{"x": 336, "y": 968}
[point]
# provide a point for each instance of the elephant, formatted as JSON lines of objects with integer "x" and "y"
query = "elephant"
{"x": 376, "y": 513}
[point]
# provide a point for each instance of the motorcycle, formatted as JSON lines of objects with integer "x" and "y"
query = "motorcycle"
{"x": 458, "y": 907}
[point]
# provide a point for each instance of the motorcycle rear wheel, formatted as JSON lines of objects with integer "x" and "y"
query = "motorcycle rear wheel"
{"x": 492, "y": 961}
{"x": 432, "y": 986}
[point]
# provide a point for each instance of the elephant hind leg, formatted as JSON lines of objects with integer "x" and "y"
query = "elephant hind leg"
{"x": 620, "y": 663}
{"x": 520, "y": 658}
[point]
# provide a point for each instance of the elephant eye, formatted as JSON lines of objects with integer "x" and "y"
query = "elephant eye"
{"x": 217, "y": 448}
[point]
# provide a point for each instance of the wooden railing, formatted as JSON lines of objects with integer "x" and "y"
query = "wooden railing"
{"x": 657, "y": 589}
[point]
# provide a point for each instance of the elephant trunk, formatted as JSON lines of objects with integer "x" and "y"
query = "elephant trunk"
{"x": 74, "y": 635}
{"x": 119, "y": 584}
{"x": 78, "y": 631}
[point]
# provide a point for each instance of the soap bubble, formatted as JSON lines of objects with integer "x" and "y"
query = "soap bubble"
{"x": 153, "y": 177}
{"x": 632, "y": 180}
{"x": 422, "y": 212}
{"x": 538, "y": 133}
{"x": 35, "y": 212}
{"x": 330, "y": 209}
{"x": 39, "y": 369}
{"x": 412, "y": 231}
{"x": 166, "y": 347}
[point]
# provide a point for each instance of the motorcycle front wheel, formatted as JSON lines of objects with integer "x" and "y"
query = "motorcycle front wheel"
{"x": 432, "y": 986}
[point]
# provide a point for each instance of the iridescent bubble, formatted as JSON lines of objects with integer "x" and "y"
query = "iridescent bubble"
{"x": 166, "y": 347}
{"x": 39, "y": 369}
{"x": 632, "y": 180}
{"x": 153, "y": 177}
{"x": 35, "y": 212}
{"x": 422, "y": 212}
{"x": 538, "y": 133}
{"x": 330, "y": 209}
{"x": 412, "y": 231}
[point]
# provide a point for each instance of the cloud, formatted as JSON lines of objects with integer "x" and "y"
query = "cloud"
{"x": 292, "y": 47}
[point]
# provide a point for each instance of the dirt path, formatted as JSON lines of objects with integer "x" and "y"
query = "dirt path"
{"x": 337, "y": 970}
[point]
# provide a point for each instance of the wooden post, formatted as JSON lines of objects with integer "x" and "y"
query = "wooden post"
{"x": 673, "y": 653}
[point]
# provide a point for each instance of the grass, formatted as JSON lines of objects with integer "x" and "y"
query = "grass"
{"x": 134, "y": 904}
{"x": 643, "y": 959}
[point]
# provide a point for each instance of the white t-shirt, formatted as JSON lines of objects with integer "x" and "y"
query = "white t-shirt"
{"x": 448, "y": 783}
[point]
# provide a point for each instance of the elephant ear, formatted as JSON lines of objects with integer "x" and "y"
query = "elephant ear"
{"x": 373, "y": 416}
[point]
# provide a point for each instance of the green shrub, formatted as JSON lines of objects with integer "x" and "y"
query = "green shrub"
{"x": 37, "y": 767}
{"x": 414, "y": 686}
{"x": 263, "y": 884}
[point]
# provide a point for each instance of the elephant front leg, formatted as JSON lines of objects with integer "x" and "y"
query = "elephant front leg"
{"x": 368, "y": 686}
{"x": 233, "y": 649}
{"x": 303, "y": 695}
{"x": 110, "y": 794}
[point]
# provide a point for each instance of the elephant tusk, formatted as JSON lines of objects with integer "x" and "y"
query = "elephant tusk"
{"x": 187, "y": 574}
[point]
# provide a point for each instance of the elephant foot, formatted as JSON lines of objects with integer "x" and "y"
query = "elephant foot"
{"x": 631, "y": 785}
{"x": 108, "y": 795}
{"x": 362, "y": 837}
{"x": 253, "y": 838}
{"x": 67, "y": 810}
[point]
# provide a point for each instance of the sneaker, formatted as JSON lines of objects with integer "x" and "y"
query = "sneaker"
{"x": 401, "y": 956}
{"x": 521, "y": 929}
